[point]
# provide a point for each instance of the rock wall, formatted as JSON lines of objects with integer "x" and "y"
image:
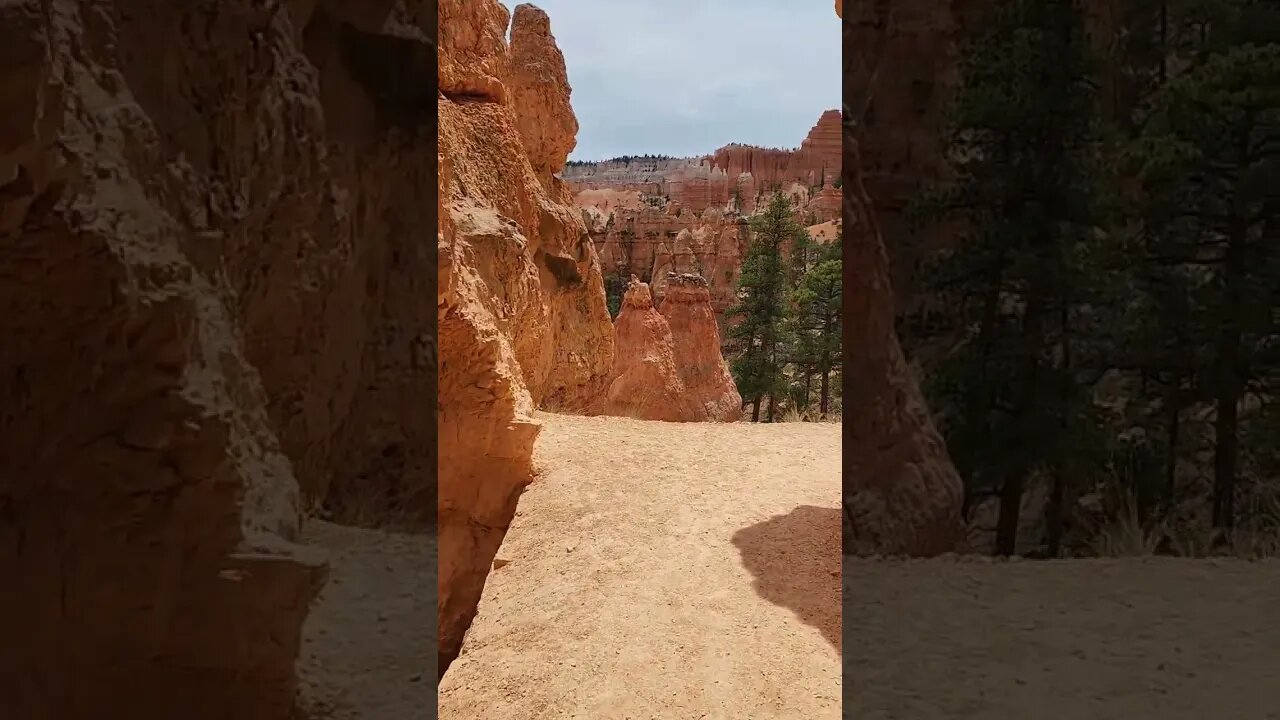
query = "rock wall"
{"x": 901, "y": 80}
{"x": 901, "y": 493}
{"x": 521, "y": 307}
{"x": 212, "y": 281}
{"x": 645, "y": 383}
{"x": 696, "y": 341}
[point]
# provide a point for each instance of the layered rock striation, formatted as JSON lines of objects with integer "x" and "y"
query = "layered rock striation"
{"x": 521, "y": 306}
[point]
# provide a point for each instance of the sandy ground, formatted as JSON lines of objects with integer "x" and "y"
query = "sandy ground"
{"x": 369, "y": 643}
{"x": 1071, "y": 640}
{"x": 661, "y": 570}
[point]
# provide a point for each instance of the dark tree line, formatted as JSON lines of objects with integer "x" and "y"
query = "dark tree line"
{"x": 1116, "y": 289}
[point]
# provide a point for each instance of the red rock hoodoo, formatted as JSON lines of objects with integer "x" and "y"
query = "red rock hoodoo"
{"x": 645, "y": 383}
{"x": 734, "y": 177}
{"x": 696, "y": 338}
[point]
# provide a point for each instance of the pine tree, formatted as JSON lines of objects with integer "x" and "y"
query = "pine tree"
{"x": 816, "y": 327}
{"x": 1210, "y": 159}
{"x": 756, "y": 339}
{"x": 1021, "y": 144}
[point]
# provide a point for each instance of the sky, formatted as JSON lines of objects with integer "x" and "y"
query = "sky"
{"x": 684, "y": 77}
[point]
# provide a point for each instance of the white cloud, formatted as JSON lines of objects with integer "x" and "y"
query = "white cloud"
{"x": 683, "y": 77}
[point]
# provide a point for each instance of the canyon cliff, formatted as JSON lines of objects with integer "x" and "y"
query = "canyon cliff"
{"x": 902, "y": 494}
{"x": 211, "y": 229}
{"x": 521, "y": 308}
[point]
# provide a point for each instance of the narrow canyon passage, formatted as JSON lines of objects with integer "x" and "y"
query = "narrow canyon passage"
{"x": 663, "y": 570}
{"x": 1113, "y": 639}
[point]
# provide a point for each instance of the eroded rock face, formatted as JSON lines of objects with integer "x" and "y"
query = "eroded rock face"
{"x": 539, "y": 87}
{"x": 696, "y": 340}
{"x": 521, "y": 308}
{"x": 210, "y": 229}
{"x": 649, "y": 242}
{"x": 645, "y": 383}
{"x": 901, "y": 493}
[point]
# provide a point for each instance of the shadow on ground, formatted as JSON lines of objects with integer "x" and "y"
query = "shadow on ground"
{"x": 795, "y": 559}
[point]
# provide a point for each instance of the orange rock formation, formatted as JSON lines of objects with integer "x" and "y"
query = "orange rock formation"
{"x": 645, "y": 383}
{"x": 696, "y": 339}
{"x": 521, "y": 309}
{"x": 651, "y": 241}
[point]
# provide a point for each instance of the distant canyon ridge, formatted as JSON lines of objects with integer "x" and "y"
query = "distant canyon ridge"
{"x": 655, "y": 217}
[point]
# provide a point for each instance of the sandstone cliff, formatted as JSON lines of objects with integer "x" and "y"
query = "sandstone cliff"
{"x": 521, "y": 308}
{"x": 901, "y": 492}
{"x": 211, "y": 226}
{"x": 696, "y": 340}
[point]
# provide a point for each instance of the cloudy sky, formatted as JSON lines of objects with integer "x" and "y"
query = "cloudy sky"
{"x": 683, "y": 77}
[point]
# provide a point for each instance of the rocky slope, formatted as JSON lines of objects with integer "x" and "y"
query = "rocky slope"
{"x": 521, "y": 308}
{"x": 211, "y": 234}
{"x": 901, "y": 492}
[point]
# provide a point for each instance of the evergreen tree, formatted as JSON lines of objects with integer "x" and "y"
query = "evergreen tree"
{"x": 756, "y": 339}
{"x": 1210, "y": 159}
{"x": 816, "y": 327}
{"x": 1021, "y": 144}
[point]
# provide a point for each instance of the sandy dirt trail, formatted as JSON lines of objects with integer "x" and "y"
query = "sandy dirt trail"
{"x": 369, "y": 644}
{"x": 1124, "y": 639}
{"x": 661, "y": 570}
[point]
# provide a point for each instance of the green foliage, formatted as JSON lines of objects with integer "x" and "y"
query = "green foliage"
{"x": 1022, "y": 139}
{"x": 1115, "y": 288}
{"x": 815, "y": 328}
{"x": 615, "y": 287}
{"x": 756, "y": 338}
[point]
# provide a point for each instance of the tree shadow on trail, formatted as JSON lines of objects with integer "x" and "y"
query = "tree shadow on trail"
{"x": 795, "y": 559}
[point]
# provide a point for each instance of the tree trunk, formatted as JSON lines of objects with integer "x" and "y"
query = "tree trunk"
{"x": 1171, "y": 453}
{"x": 1014, "y": 482}
{"x": 1224, "y": 461}
{"x": 755, "y": 410}
{"x": 772, "y": 403}
{"x": 1054, "y": 515}
{"x": 1230, "y": 378}
{"x": 826, "y": 393}
{"x": 1010, "y": 511}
